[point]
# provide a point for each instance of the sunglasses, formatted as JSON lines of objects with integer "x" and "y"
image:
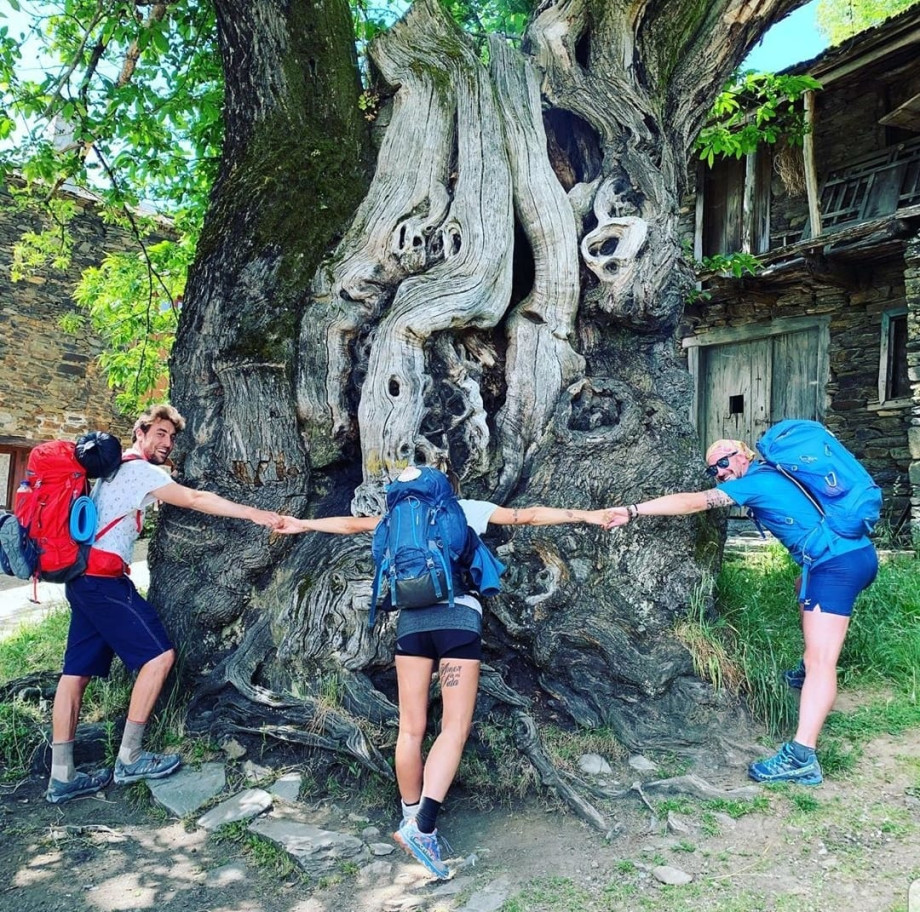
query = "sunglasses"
{"x": 713, "y": 470}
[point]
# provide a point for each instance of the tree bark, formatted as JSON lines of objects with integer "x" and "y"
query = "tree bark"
{"x": 503, "y": 292}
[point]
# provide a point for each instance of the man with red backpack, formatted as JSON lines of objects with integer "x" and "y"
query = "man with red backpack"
{"x": 816, "y": 499}
{"x": 109, "y": 617}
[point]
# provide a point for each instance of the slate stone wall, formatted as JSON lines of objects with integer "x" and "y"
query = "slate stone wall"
{"x": 50, "y": 383}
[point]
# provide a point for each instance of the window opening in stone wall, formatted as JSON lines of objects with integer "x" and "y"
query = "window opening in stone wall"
{"x": 894, "y": 382}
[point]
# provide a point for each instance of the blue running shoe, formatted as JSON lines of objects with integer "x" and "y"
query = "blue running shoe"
{"x": 423, "y": 847}
{"x": 81, "y": 784}
{"x": 784, "y": 766}
{"x": 795, "y": 677}
{"x": 147, "y": 766}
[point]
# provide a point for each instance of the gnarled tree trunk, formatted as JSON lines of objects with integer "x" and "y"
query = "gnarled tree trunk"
{"x": 504, "y": 291}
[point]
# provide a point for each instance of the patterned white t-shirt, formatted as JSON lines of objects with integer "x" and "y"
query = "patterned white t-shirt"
{"x": 126, "y": 494}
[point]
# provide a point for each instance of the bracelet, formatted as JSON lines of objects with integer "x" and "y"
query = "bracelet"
{"x": 632, "y": 511}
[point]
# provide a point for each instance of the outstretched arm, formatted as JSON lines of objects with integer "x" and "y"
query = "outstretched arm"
{"x": 337, "y": 525}
{"x": 546, "y": 516}
{"x": 213, "y": 504}
{"x": 670, "y": 505}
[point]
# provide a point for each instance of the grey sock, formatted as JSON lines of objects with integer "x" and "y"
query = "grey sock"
{"x": 62, "y": 767}
{"x": 130, "y": 748}
{"x": 802, "y": 752}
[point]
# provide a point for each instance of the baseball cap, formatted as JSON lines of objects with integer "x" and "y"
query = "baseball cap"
{"x": 100, "y": 454}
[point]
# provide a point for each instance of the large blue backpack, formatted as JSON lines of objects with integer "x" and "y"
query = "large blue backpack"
{"x": 421, "y": 545}
{"x": 842, "y": 491}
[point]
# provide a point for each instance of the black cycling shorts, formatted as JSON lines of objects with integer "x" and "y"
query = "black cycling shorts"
{"x": 441, "y": 644}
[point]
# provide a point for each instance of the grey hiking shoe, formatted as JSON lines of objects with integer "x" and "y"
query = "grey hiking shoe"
{"x": 82, "y": 784}
{"x": 147, "y": 766}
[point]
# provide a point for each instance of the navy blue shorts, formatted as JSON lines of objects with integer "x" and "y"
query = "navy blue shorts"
{"x": 441, "y": 644}
{"x": 108, "y": 616}
{"x": 835, "y": 584}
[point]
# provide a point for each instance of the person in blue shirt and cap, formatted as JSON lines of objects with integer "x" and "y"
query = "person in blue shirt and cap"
{"x": 826, "y": 602}
{"x": 449, "y": 638}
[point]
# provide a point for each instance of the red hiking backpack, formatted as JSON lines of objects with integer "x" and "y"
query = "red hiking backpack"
{"x": 45, "y": 504}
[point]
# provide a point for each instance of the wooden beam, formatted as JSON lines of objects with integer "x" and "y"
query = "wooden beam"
{"x": 811, "y": 170}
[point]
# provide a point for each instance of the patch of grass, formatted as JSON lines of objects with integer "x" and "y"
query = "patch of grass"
{"x": 805, "y": 801}
{"x": 497, "y": 771}
{"x": 20, "y": 738}
{"x": 36, "y": 646}
{"x": 736, "y": 808}
{"x": 549, "y": 893}
{"x": 684, "y": 846}
{"x": 261, "y": 852}
{"x": 567, "y": 746}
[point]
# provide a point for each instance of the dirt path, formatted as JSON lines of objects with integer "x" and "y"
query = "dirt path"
{"x": 852, "y": 844}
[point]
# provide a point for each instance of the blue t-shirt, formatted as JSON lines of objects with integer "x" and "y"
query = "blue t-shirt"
{"x": 778, "y": 505}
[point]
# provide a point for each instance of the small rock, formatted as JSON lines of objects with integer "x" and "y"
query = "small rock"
{"x": 369, "y": 833}
{"x": 678, "y": 825}
{"x": 594, "y": 765}
{"x": 233, "y": 749}
{"x": 376, "y": 870}
{"x": 672, "y": 876}
{"x": 642, "y": 764}
{"x": 255, "y": 773}
{"x": 381, "y": 848}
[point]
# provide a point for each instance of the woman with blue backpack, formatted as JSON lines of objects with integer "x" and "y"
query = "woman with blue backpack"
{"x": 816, "y": 499}
{"x": 434, "y": 579}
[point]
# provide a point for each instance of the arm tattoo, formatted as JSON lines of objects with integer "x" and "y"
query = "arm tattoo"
{"x": 717, "y": 498}
{"x": 514, "y": 516}
{"x": 569, "y": 514}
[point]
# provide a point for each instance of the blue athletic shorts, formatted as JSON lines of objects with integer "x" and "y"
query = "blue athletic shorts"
{"x": 835, "y": 584}
{"x": 108, "y": 616}
{"x": 441, "y": 644}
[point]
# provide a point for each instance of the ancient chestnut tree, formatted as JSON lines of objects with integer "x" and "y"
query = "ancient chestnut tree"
{"x": 491, "y": 273}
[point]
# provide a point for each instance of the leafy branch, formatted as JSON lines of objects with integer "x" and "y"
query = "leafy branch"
{"x": 755, "y": 108}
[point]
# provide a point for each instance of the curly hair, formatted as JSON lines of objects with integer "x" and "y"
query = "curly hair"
{"x": 162, "y": 412}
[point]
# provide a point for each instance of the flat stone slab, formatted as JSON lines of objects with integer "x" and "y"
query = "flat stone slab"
{"x": 491, "y": 897}
{"x": 243, "y": 806}
{"x": 317, "y": 851}
{"x": 673, "y": 876}
{"x": 287, "y": 787}
{"x": 188, "y": 789}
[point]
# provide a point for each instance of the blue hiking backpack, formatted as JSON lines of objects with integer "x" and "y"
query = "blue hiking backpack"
{"x": 421, "y": 545}
{"x": 829, "y": 475}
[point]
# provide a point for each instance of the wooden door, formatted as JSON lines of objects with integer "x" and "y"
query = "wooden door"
{"x": 735, "y": 382}
{"x": 797, "y": 389}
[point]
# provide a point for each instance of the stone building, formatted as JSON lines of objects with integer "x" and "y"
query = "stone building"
{"x": 50, "y": 383}
{"x": 830, "y": 328}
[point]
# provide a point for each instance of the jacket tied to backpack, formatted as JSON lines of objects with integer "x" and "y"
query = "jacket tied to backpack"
{"x": 425, "y": 551}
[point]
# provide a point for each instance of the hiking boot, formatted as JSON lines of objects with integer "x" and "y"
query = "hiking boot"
{"x": 82, "y": 784}
{"x": 784, "y": 766}
{"x": 424, "y": 847}
{"x": 795, "y": 677}
{"x": 147, "y": 766}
